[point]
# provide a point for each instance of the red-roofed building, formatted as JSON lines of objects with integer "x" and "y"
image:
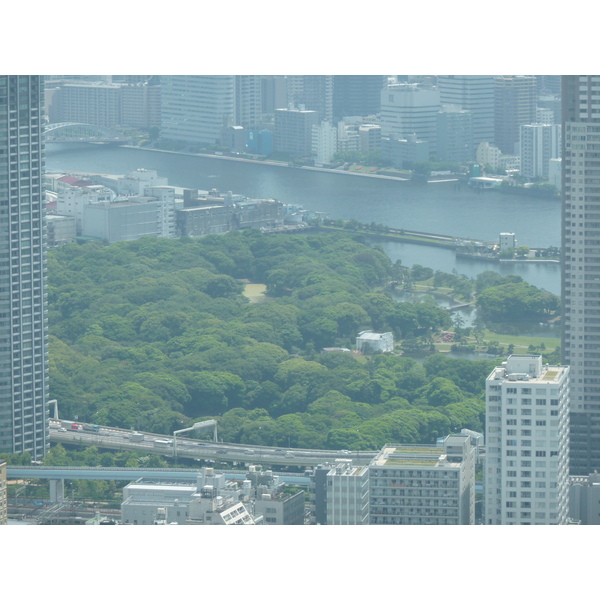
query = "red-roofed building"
{"x": 74, "y": 181}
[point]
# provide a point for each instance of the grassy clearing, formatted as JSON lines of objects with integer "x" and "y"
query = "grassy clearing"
{"x": 255, "y": 292}
{"x": 521, "y": 341}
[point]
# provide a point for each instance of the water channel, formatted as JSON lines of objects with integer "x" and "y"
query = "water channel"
{"x": 444, "y": 208}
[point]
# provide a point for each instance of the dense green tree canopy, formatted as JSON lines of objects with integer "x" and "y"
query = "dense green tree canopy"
{"x": 156, "y": 333}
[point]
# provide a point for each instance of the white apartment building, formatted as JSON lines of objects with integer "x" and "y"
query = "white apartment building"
{"x": 71, "y": 201}
{"x": 347, "y": 494}
{"x": 539, "y": 143}
{"x": 555, "y": 173}
{"x": 324, "y": 143}
{"x": 488, "y": 154}
{"x": 527, "y": 443}
{"x": 507, "y": 241}
{"x": 137, "y": 182}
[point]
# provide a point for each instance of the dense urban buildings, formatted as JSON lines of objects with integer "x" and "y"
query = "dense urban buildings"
{"x": 406, "y": 484}
{"x": 23, "y": 320}
{"x": 581, "y": 265}
{"x": 527, "y": 443}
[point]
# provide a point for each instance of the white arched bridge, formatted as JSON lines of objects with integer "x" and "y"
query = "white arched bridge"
{"x": 81, "y": 133}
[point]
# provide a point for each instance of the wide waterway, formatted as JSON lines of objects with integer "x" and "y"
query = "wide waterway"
{"x": 443, "y": 208}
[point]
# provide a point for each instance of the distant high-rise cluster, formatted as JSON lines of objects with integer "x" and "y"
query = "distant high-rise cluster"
{"x": 419, "y": 119}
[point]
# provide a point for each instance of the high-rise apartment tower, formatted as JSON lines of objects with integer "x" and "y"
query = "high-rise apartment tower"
{"x": 23, "y": 320}
{"x": 581, "y": 264}
{"x": 527, "y": 443}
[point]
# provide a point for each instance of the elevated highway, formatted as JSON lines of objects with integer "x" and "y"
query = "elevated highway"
{"x": 132, "y": 474}
{"x": 122, "y": 439}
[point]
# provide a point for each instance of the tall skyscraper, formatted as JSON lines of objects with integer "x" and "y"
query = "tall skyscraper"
{"x": 23, "y": 320}
{"x": 527, "y": 443}
{"x": 474, "y": 93}
{"x": 581, "y": 264}
{"x": 410, "y": 108}
{"x": 314, "y": 92}
{"x": 357, "y": 95}
{"x": 514, "y": 105}
{"x": 195, "y": 108}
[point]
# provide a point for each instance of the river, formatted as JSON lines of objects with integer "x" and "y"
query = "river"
{"x": 435, "y": 207}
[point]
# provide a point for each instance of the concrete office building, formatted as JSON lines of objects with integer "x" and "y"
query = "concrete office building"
{"x": 404, "y": 153}
{"x": 61, "y": 230}
{"x": 24, "y": 422}
{"x": 269, "y": 498}
{"x": 247, "y": 101}
{"x": 488, "y": 154}
{"x": 210, "y": 501}
{"x": 527, "y": 443}
{"x": 273, "y": 93}
{"x": 581, "y": 265}
{"x": 514, "y": 105}
{"x": 324, "y": 143}
{"x": 555, "y": 173}
{"x": 95, "y": 103}
{"x": 455, "y": 134}
{"x": 408, "y": 108}
{"x": 314, "y": 92}
{"x": 141, "y": 105}
{"x": 193, "y": 221}
{"x": 507, "y": 241}
{"x": 347, "y": 494}
{"x": 424, "y": 485}
{"x": 293, "y": 130}
{"x": 370, "y": 138}
{"x": 544, "y": 115}
{"x": 195, "y": 108}
{"x": 348, "y": 136}
{"x": 584, "y": 499}
{"x": 539, "y": 143}
{"x": 474, "y": 93}
{"x": 357, "y": 95}
{"x": 72, "y": 200}
{"x": 124, "y": 220}
{"x": 553, "y": 103}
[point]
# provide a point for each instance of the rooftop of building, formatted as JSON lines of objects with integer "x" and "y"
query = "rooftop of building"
{"x": 528, "y": 368}
{"x": 413, "y": 456}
